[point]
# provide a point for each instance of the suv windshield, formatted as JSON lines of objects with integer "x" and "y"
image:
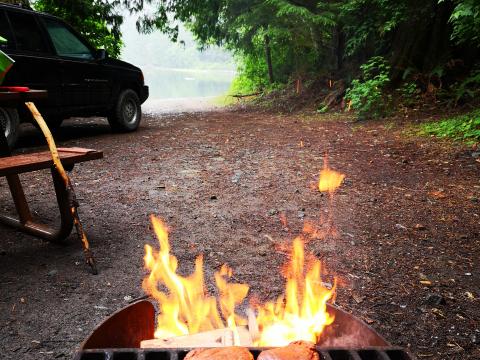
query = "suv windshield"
{"x": 65, "y": 42}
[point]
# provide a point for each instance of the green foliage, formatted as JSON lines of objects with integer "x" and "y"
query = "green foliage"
{"x": 409, "y": 93}
{"x": 468, "y": 88}
{"x": 367, "y": 95}
{"x": 463, "y": 127}
{"x": 367, "y": 20}
{"x": 466, "y": 21}
{"x": 97, "y": 20}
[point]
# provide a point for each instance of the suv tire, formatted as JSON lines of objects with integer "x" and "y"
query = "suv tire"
{"x": 10, "y": 122}
{"x": 127, "y": 113}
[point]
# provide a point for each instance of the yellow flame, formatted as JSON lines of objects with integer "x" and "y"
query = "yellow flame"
{"x": 186, "y": 307}
{"x": 329, "y": 180}
{"x": 301, "y": 313}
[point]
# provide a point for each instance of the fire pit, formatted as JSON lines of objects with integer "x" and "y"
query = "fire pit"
{"x": 190, "y": 317}
{"x": 119, "y": 337}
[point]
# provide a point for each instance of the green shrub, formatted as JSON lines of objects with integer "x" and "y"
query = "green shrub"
{"x": 463, "y": 127}
{"x": 409, "y": 93}
{"x": 367, "y": 95}
{"x": 468, "y": 88}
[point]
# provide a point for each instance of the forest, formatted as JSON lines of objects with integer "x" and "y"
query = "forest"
{"x": 374, "y": 57}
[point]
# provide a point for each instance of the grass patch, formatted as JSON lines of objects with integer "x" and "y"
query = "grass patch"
{"x": 461, "y": 128}
{"x": 224, "y": 100}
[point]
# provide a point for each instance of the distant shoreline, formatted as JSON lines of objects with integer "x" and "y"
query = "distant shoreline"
{"x": 146, "y": 68}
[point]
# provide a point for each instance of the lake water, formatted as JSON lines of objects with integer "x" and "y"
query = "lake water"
{"x": 176, "y": 89}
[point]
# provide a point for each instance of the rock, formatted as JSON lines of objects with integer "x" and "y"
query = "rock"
{"x": 236, "y": 176}
{"x": 53, "y": 272}
{"x": 435, "y": 299}
{"x": 419, "y": 227}
{"x": 476, "y": 154}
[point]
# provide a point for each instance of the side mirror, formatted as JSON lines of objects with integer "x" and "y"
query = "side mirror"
{"x": 101, "y": 54}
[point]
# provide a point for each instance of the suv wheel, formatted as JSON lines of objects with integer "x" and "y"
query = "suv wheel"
{"x": 10, "y": 123}
{"x": 127, "y": 113}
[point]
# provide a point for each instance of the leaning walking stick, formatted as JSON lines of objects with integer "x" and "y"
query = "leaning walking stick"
{"x": 68, "y": 185}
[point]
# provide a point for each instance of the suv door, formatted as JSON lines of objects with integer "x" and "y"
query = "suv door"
{"x": 85, "y": 84}
{"x": 35, "y": 64}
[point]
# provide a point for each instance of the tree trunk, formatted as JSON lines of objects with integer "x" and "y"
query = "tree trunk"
{"x": 268, "y": 56}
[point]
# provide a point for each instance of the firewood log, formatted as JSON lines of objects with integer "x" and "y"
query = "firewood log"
{"x": 299, "y": 350}
{"x": 224, "y": 353}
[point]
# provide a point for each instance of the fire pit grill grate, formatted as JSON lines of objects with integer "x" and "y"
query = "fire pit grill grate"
{"x": 389, "y": 353}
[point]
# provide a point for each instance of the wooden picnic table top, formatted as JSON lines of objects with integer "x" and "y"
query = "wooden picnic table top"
{"x": 43, "y": 160}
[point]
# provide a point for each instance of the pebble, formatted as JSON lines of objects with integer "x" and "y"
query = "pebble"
{"x": 53, "y": 272}
{"x": 236, "y": 176}
{"x": 435, "y": 299}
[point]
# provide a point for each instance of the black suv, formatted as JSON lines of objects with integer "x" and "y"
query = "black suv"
{"x": 81, "y": 81}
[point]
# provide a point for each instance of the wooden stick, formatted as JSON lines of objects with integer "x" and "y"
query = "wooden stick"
{"x": 68, "y": 185}
{"x": 213, "y": 338}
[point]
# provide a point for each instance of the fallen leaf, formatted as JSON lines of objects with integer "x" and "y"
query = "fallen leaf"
{"x": 437, "y": 194}
{"x": 470, "y": 295}
{"x": 438, "y": 312}
{"x": 358, "y": 299}
{"x": 425, "y": 282}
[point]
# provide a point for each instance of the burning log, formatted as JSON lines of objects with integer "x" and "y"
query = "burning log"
{"x": 230, "y": 353}
{"x": 213, "y": 338}
{"x": 238, "y": 336}
{"x": 300, "y": 350}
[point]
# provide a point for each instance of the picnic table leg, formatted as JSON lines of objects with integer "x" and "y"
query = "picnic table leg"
{"x": 25, "y": 221}
{"x": 66, "y": 219}
{"x": 19, "y": 200}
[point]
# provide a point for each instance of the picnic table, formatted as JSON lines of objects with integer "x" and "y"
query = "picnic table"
{"x": 13, "y": 165}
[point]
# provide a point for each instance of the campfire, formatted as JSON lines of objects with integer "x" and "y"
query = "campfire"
{"x": 185, "y": 308}
{"x": 302, "y": 323}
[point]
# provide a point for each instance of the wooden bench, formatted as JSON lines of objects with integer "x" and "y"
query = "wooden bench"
{"x": 11, "y": 166}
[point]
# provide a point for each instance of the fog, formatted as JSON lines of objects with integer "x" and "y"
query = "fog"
{"x": 180, "y": 76}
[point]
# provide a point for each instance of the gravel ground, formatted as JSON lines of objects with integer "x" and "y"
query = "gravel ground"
{"x": 407, "y": 218}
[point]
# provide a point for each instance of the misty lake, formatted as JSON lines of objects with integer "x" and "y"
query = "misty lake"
{"x": 184, "y": 89}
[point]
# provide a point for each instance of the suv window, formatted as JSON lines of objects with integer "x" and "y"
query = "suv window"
{"x": 27, "y": 33}
{"x": 66, "y": 43}
{"x": 5, "y": 32}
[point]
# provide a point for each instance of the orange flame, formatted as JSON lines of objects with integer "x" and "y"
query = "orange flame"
{"x": 187, "y": 308}
{"x": 329, "y": 180}
{"x": 301, "y": 313}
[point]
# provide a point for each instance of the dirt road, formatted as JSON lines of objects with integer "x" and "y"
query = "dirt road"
{"x": 406, "y": 256}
